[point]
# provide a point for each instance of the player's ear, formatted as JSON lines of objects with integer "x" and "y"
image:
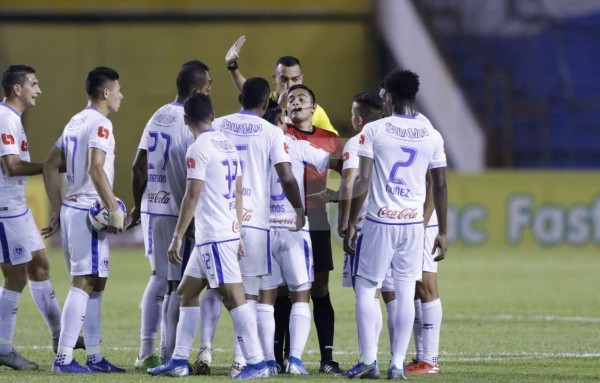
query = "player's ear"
{"x": 17, "y": 89}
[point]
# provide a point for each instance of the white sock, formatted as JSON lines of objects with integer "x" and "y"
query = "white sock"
{"x": 186, "y": 331}
{"x": 163, "y": 334}
{"x": 238, "y": 354}
{"x": 432, "y": 321}
{"x": 210, "y": 307}
{"x": 300, "y": 320}
{"x": 171, "y": 324}
{"x": 378, "y": 319}
{"x": 365, "y": 317}
{"x": 265, "y": 321}
{"x": 9, "y": 301}
{"x": 45, "y": 300}
{"x": 72, "y": 319}
{"x": 91, "y": 327}
{"x": 391, "y": 318}
{"x": 405, "y": 317}
{"x": 418, "y": 330}
{"x": 244, "y": 323}
{"x": 152, "y": 301}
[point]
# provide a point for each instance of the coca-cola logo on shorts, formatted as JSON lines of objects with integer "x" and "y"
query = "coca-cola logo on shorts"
{"x": 160, "y": 197}
{"x": 404, "y": 214}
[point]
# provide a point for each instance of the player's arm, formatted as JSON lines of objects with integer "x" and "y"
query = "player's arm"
{"x": 345, "y": 196}
{"x": 440, "y": 200}
{"x": 291, "y": 190}
{"x": 231, "y": 61}
{"x": 16, "y": 167}
{"x": 239, "y": 210}
{"x": 104, "y": 190}
{"x": 55, "y": 160}
{"x": 193, "y": 187}
{"x": 359, "y": 193}
{"x": 428, "y": 206}
{"x": 139, "y": 177}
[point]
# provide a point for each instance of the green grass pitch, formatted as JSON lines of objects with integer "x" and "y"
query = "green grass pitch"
{"x": 520, "y": 316}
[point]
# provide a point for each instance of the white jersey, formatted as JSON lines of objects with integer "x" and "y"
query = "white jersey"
{"x": 351, "y": 161}
{"x": 403, "y": 149}
{"x": 87, "y": 129}
{"x": 433, "y": 221}
{"x": 301, "y": 153}
{"x": 260, "y": 146}
{"x": 166, "y": 138}
{"x": 212, "y": 158}
{"x": 14, "y": 141}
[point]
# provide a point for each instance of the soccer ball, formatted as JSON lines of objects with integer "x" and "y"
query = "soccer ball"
{"x": 98, "y": 215}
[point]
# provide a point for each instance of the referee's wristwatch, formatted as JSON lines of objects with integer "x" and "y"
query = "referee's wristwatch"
{"x": 232, "y": 66}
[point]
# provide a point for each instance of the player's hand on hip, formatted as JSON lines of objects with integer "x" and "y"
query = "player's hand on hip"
{"x": 116, "y": 221}
{"x": 233, "y": 54}
{"x": 135, "y": 216}
{"x": 173, "y": 252}
{"x": 350, "y": 240}
{"x": 440, "y": 246}
{"x": 53, "y": 225}
{"x": 241, "y": 253}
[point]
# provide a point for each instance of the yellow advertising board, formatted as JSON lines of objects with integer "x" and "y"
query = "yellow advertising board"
{"x": 524, "y": 209}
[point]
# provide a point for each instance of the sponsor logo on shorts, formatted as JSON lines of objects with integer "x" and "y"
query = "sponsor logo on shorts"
{"x": 247, "y": 215}
{"x": 19, "y": 251}
{"x": 404, "y": 214}
{"x": 160, "y": 197}
{"x": 72, "y": 197}
{"x": 104, "y": 264}
{"x": 235, "y": 227}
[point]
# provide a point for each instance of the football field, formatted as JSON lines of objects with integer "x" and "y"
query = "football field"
{"x": 508, "y": 316}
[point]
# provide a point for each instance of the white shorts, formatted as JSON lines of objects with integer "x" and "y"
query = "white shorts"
{"x": 19, "y": 237}
{"x": 292, "y": 260}
{"x": 216, "y": 262}
{"x": 428, "y": 264}
{"x": 86, "y": 251}
{"x": 383, "y": 245}
{"x": 257, "y": 243}
{"x": 388, "y": 283}
{"x": 147, "y": 235}
{"x": 161, "y": 233}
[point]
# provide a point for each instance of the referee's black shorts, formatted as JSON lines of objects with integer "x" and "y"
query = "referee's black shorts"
{"x": 320, "y": 236}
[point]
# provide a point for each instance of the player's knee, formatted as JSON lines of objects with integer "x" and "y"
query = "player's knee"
{"x": 15, "y": 281}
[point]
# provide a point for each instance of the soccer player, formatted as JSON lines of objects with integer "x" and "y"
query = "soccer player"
{"x": 213, "y": 197}
{"x": 366, "y": 108}
{"x": 87, "y": 149}
{"x": 292, "y": 254}
{"x": 395, "y": 153}
{"x": 288, "y": 72}
{"x": 260, "y": 146}
{"x": 301, "y": 106}
{"x": 160, "y": 169}
{"x": 22, "y": 247}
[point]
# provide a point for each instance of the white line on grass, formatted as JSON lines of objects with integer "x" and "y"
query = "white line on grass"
{"x": 511, "y": 317}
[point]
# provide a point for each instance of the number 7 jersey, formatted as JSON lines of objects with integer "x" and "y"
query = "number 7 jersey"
{"x": 403, "y": 148}
{"x": 87, "y": 129}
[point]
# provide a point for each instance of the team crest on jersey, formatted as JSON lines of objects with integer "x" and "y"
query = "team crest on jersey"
{"x": 24, "y": 146}
{"x": 19, "y": 251}
{"x": 191, "y": 163}
{"x": 8, "y": 139}
{"x": 361, "y": 139}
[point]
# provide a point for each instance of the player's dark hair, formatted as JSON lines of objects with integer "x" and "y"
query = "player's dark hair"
{"x": 191, "y": 75}
{"x": 97, "y": 80}
{"x": 369, "y": 105}
{"x": 198, "y": 108}
{"x": 273, "y": 112}
{"x": 288, "y": 61}
{"x": 402, "y": 84}
{"x": 13, "y": 75}
{"x": 302, "y": 86}
{"x": 255, "y": 92}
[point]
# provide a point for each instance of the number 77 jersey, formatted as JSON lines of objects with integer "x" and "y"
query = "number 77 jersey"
{"x": 403, "y": 148}
{"x": 86, "y": 130}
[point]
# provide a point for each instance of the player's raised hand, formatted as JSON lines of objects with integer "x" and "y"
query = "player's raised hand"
{"x": 233, "y": 54}
{"x": 116, "y": 221}
{"x": 440, "y": 245}
{"x": 135, "y": 216}
{"x": 173, "y": 252}
{"x": 350, "y": 240}
{"x": 283, "y": 98}
{"x": 53, "y": 225}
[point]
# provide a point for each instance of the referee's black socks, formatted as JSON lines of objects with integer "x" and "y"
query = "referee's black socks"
{"x": 324, "y": 318}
